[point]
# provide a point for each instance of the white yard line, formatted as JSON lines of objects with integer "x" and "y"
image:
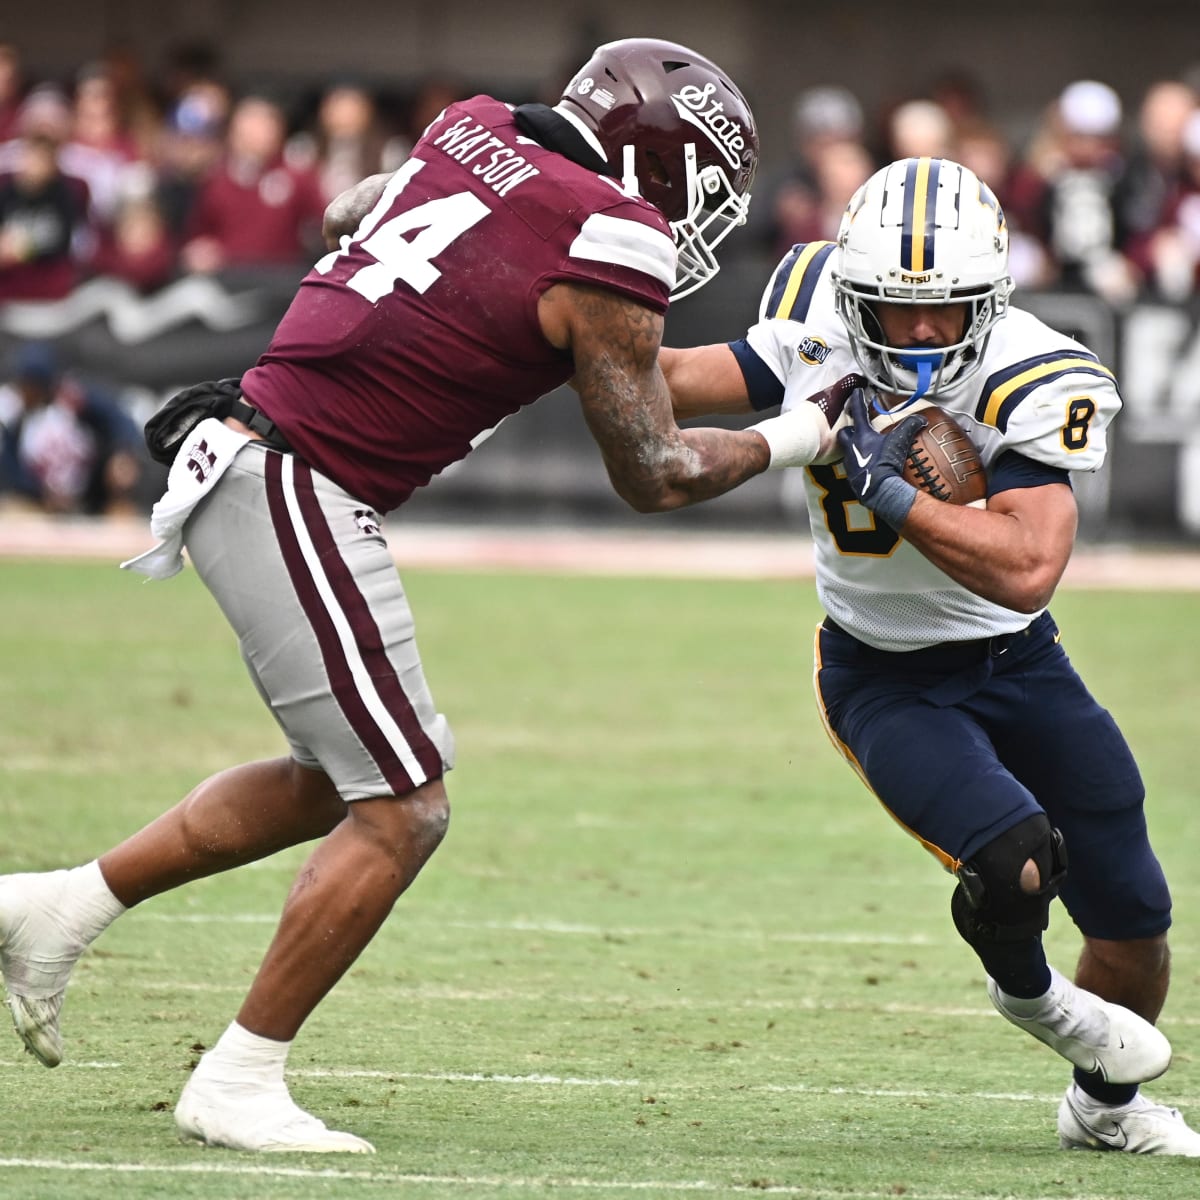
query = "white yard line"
{"x": 570, "y": 928}
{"x": 665, "y": 1089}
{"x": 499, "y": 1182}
{"x": 437, "y": 993}
{"x": 659, "y": 1086}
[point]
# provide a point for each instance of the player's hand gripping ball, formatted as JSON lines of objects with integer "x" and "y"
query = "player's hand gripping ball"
{"x": 944, "y": 463}
{"x": 941, "y": 461}
{"x": 889, "y": 457}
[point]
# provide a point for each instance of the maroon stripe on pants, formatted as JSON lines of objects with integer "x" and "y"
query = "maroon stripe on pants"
{"x": 364, "y": 627}
{"x": 337, "y": 666}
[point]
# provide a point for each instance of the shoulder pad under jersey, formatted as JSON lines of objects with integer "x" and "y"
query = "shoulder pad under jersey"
{"x": 793, "y": 283}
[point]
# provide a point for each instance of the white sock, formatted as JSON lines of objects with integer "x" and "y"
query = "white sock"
{"x": 62, "y": 912}
{"x": 92, "y": 906}
{"x": 1022, "y": 1007}
{"x": 243, "y": 1057}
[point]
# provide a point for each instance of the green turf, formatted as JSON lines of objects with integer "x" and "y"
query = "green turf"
{"x": 670, "y": 947}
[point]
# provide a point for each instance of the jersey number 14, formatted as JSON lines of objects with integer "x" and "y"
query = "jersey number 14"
{"x": 400, "y": 258}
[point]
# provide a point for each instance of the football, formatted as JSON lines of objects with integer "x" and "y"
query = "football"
{"x": 944, "y": 462}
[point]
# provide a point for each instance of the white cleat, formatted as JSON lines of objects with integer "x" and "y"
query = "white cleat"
{"x": 1095, "y": 1035}
{"x": 36, "y": 1022}
{"x": 36, "y": 956}
{"x": 1139, "y": 1127}
{"x": 259, "y": 1118}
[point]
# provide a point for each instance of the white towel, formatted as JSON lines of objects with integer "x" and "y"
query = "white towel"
{"x": 202, "y": 459}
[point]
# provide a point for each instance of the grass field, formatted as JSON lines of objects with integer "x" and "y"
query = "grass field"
{"x": 671, "y": 947}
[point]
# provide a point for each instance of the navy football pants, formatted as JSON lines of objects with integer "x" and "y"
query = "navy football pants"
{"x": 964, "y": 740}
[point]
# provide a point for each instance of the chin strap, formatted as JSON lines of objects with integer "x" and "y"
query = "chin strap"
{"x": 924, "y": 369}
{"x": 629, "y": 179}
{"x": 924, "y": 378}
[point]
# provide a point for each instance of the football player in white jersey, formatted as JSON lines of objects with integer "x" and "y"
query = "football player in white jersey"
{"x": 938, "y": 636}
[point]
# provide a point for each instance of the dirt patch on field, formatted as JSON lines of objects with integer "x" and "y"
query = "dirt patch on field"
{"x": 714, "y": 555}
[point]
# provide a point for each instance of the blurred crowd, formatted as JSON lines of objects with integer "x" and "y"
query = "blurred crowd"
{"x": 144, "y": 178}
{"x": 65, "y": 447}
{"x": 117, "y": 174}
{"x": 147, "y": 177}
{"x": 1098, "y": 199}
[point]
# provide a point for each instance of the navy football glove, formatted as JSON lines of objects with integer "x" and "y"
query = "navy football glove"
{"x": 874, "y": 462}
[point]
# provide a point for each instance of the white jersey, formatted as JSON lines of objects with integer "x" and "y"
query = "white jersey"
{"x": 1037, "y": 392}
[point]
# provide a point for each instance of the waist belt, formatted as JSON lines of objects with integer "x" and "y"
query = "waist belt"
{"x": 944, "y": 656}
{"x": 260, "y": 423}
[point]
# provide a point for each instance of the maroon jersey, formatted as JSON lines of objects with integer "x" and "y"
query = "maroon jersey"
{"x": 421, "y": 332}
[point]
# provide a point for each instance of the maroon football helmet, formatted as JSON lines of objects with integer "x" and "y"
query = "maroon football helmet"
{"x": 676, "y": 131}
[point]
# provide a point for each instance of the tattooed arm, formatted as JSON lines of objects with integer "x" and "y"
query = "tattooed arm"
{"x": 653, "y": 464}
{"x": 345, "y": 211}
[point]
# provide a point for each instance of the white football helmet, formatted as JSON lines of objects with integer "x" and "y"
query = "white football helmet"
{"x": 921, "y": 231}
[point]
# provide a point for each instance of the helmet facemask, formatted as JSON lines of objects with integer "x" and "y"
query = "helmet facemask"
{"x": 713, "y": 210}
{"x": 921, "y": 232}
{"x": 916, "y": 371}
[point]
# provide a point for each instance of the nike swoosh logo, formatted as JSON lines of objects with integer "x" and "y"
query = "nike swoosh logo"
{"x": 1115, "y": 1137}
{"x": 862, "y": 462}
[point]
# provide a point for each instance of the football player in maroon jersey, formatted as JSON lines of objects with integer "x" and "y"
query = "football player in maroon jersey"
{"x": 516, "y": 249}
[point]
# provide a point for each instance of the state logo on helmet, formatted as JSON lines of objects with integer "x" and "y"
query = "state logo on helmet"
{"x": 921, "y": 231}
{"x": 676, "y": 131}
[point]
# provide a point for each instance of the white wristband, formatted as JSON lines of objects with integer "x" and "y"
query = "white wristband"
{"x": 795, "y": 437}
